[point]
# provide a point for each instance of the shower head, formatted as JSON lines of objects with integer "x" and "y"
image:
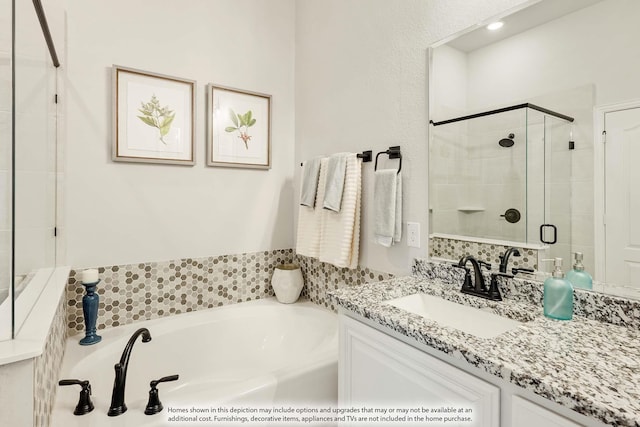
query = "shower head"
{"x": 507, "y": 142}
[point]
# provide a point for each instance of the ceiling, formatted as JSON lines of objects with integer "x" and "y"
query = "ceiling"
{"x": 518, "y": 22}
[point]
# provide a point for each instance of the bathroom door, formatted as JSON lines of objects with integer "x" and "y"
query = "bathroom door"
{"x": 622, "y": 197}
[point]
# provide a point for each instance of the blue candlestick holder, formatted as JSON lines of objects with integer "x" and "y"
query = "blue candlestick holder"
{"x": 90, "y": 310}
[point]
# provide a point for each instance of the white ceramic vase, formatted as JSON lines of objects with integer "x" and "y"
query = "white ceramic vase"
{"x": 287, "y": 283}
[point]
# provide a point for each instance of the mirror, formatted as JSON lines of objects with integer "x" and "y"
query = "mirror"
{"x": 575, "y": 58}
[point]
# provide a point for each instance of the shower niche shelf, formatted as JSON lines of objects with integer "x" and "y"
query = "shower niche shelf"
{"x": 470, "y": 209}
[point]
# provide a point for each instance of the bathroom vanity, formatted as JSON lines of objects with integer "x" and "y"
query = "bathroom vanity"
{"x": 541, "y": 372}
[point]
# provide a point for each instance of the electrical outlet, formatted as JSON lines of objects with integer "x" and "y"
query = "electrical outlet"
{"x": 413, "y": 234}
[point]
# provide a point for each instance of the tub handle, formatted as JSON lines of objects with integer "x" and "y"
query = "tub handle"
{"x": 154, "y": 405}
{"x": 84, "y": 405}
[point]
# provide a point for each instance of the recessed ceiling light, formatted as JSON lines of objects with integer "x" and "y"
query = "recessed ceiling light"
{"x": 495, "y": 25}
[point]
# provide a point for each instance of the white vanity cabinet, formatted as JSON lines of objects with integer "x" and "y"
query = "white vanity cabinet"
{"x": 376, "y": 370}
{"x": 381, "y": 369}
{"x": 527, "y": 414}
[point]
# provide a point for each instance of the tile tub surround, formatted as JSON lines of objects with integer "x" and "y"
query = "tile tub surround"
{"x": 135, "y": 292}
{"x": 453, "y": 249}
{"x": 588, "y": 366}
{"x": 591, "y": 305}
{"x": 320, "y": 278}
{"x": 47, "y": 367}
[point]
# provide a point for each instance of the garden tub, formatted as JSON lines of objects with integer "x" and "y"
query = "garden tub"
{"x": 254, "y": 354}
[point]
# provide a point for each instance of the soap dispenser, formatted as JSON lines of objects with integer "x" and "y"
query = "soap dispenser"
{"x": 558, "y": 294}
{"x": 578, "y": 277}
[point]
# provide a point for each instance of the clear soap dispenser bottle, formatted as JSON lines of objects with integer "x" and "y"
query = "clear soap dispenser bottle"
{"x": 578, "y": 277}
{"x": 558, "y": 294}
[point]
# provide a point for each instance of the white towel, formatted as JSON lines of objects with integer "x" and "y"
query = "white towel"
{"x": 310, "y": 221}
{"x": 334, "y": 186}
{"x": 309, "y": 187}
{"x": 340, "y": 238}
{"x": 387, "y": 207}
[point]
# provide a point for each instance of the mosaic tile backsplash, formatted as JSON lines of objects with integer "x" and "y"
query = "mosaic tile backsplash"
{"x": 136, "y": 292}
{"x": 453, "y": 249}
{"x": 47, "y": 367}
{"x": 320, "y": 278}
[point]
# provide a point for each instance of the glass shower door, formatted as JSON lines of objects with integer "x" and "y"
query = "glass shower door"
{"x": 558, "y": 187}
{"x": 5, "y": 170}
{"x": 28, "y": 169}
{"x": 477, "y": 177}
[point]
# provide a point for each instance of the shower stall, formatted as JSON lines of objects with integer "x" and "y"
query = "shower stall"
{"x": 503, "y": 175}
{"x": 29, "y": 155}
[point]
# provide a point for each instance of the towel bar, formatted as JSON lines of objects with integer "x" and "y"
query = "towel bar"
{"x": 394, "y": 153}
{"x": 366, "y": 156}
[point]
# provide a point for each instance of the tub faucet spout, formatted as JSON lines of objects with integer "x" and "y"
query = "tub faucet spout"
{"x": 118, "y": 406}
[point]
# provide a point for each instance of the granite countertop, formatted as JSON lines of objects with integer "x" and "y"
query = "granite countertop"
{"x": 589, "y": 366}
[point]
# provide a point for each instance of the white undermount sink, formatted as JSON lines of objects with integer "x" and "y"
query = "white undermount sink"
{"x": 466, "y": 319}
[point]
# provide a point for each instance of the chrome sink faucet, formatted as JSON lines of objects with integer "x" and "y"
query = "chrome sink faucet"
{"x": 118, "y": 407}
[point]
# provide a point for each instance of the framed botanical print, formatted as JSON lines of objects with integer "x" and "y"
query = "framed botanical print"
{"x": 153, "y": 118}
{"x": 239, "y": 128}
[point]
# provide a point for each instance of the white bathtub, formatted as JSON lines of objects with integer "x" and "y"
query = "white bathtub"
{"x": 254, "y": 353}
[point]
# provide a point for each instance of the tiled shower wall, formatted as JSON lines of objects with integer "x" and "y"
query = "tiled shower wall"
{"x": 474, "y": 180}
{"x": 136, "y": 292}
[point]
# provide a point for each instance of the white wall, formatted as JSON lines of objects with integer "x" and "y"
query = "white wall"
{"x": 595, "y": 45}
{"x": 361, "y": 75}
{"x": 448, "y": 144}
{"x": 451, "y": 88}
{"x": 126, "y": 213}
{"x": 360, "y": 83}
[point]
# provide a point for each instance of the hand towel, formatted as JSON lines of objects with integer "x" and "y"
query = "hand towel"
{"x": 387, "y": 207}
{"x": 340, "y": 237}
{"x": 310, "y": 220}
{"x": 397, "y": 234}
{"x": 334, "y": 186}
{"x": 309, "y": 187}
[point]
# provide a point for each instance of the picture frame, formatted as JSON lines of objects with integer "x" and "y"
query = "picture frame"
{"x": 153, "y": 117}
{"x": 238, "y": 128}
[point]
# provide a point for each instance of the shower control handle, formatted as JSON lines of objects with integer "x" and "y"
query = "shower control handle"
{"x": 512, "y": 215}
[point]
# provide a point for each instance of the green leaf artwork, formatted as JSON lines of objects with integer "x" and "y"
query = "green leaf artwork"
{"x": 157, "y": 117}
{"x": 242, "y": 123}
